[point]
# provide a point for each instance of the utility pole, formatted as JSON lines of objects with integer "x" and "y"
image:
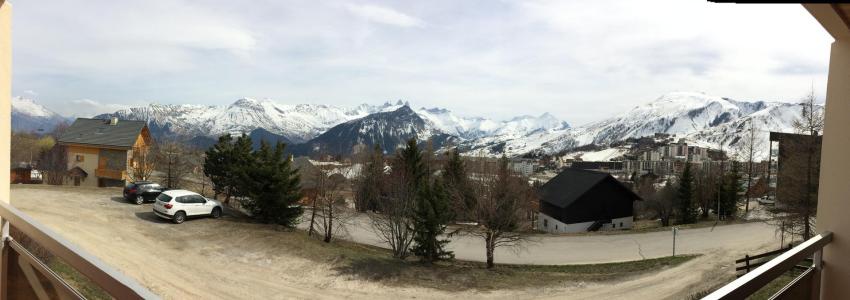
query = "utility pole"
{"x": 675, "y": 231}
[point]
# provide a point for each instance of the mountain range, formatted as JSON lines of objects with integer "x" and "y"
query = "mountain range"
{"x": 707, "y": 120}
{"x": 29, "y": 116}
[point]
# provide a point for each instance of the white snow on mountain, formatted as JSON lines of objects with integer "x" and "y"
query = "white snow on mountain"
{"x": 28, "y": 115}
{"x": 704, "y": 119}
{"x": 302, "y": 122}
{"x": 28, "y": 107}
{"x": 298, "y": 123}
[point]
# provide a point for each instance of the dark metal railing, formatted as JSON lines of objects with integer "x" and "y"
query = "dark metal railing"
{"x": 804, "y": 286}
{"x": 24, "y": 276}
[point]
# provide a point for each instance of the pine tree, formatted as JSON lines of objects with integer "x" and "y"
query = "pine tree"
{"x": 430, "y": 217}
{"x": 457, "y": 186}
{"x": 687, "y": 210}
{"x": 218, "y": 166}
{"x": 270, "y": 184}
{"x": 370, "y": 183}
{"x": 729, "y": 192}
{"x": 410, "y": 165}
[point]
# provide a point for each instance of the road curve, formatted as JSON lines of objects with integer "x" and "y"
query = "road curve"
{"x": 543, "y": 249}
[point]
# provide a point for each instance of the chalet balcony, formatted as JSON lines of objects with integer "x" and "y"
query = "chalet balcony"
{"x": 25, "y": 273}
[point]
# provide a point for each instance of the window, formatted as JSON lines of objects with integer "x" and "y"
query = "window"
{"x": 164, "y": 198}
{"x": 80, "y": 158}
{"x": 545, "y": 223}
{"x": 621, "y": 224}
{"x": 198, "y": 199}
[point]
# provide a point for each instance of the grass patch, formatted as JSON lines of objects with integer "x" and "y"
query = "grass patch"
{"x": 376, "y": 264}
{"x": 774, "y": 286}
{"x": 78, "y": 281}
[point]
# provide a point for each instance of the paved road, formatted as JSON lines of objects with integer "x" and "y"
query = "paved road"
{"x": 556, "y": 250}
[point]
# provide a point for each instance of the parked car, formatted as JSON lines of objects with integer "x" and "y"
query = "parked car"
{"x": 140, "y": 191}
{"x": 178, "y": 205}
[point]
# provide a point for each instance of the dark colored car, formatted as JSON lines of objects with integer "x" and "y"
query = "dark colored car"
{"x": 140, "y": 191}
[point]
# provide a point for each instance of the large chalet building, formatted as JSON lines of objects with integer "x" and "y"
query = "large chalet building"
{"x": 102, "y": 153}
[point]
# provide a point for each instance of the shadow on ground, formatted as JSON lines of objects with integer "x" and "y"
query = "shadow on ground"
{"x": 150, "y": 217}
{"x": 119, "y": 199}
{"x": 373, "y": 269}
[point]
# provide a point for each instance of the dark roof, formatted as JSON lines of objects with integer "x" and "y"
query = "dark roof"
{"x": 100, "y": 133}
{"x": 571, "y": 184}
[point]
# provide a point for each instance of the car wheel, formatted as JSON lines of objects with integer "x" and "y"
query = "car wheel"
{"x": 216, "y": 213}
{"x": 139, "y": 200}
{"x": 179, "y": 217}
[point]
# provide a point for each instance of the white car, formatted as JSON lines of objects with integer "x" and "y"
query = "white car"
{"x": 177, "y": 205}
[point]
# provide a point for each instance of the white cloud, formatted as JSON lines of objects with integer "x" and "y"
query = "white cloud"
{"x": 580, "y": 60}
{"x": 384, "y": 15}
{"x": 86, "y": 108}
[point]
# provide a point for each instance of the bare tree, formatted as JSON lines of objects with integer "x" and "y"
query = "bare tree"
{"x": 54, "y": 165}
{"x": 142, "y": 163}
{"x": 173, "y": 159}
{"x": 329, "y": 214}
{"x": 393, "y": 220}
{"x": 499, "y": 208}
{"x": 749, "y": 148}
{"x": 660, "y": 201}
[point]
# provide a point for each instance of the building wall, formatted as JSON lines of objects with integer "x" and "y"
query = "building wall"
{"x": 5, "y": 97}
{"x": 551, "y": 225}
{"x": 89, "y": 163}
{"x": 834, "y": 192}
{"x": 792, "y": 164}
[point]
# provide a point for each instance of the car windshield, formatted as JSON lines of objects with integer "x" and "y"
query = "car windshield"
{"x": 164, "y": 198}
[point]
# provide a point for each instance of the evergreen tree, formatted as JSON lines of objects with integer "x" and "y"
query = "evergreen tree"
{"x": 686, "y": 207}
{"x": 457, "y": 186}
{"x": 431, "y": 214}
{"x": 411, "y": 167}
{"x": 729, "y": 192}
{"x": 270, "y": 184}
{"x": 218, "y": 166}
{"x": 370, "y": 183}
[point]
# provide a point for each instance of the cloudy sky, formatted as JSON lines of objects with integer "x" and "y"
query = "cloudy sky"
{"x": 579, "y": 60}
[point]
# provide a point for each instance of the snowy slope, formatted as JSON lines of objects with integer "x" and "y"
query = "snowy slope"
{"x": 27, "y": 115}
{"x": 708, "y": 120}
{"x": 297, "y": 123}
{"x": 303, "y": 122}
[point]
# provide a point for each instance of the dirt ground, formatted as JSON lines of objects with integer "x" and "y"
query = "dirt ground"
{"x": 229, "y": 258}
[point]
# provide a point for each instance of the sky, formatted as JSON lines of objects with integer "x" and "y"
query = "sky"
{"x": 578, "y": 60}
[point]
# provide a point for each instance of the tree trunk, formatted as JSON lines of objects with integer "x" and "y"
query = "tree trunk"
{"x": 490, "y": 245}
{"x": 312, "y": 218}
{"x": 329, "y": 228}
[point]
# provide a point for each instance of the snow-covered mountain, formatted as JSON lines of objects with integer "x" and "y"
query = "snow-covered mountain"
{"x": 27, "y": 115}
{"x": 389, "y": 129}
{"x": 699, "y": 118}
{"x": 298, "y": 123}
{"x": 708, "y": 120}
{"x": 302, "y": 122}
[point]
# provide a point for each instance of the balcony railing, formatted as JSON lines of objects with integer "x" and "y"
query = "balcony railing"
{"x": 24, "y": 276}
{"x": 804, "y": 286}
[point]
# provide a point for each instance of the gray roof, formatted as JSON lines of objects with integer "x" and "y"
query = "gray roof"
{"x": 571, "y": 184}
{"x": 100, "y": 133}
